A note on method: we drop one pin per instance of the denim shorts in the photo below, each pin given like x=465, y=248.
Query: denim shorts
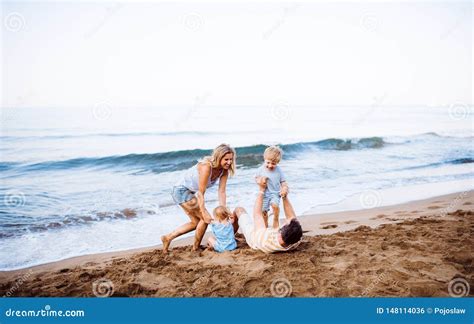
x=270, y=199
x=181, y=194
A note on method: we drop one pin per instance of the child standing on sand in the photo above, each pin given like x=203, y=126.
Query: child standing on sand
x=271, y=174
x=222, y=227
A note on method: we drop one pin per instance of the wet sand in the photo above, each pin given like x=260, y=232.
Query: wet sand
x=412, y=249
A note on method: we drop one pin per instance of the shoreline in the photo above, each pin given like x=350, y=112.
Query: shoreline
x=332, y=222
x=410, y=249
x=137, y=233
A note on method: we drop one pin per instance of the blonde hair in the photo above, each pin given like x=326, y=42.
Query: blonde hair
x=273, y=153
x=222, y=213
x=217, y=155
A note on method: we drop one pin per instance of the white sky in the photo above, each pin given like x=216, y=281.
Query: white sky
x=163, y=54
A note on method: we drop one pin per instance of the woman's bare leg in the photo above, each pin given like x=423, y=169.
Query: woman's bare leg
x=190, y=210
x=200, y=231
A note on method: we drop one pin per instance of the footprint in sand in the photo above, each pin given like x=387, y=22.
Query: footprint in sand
x=350, y=222
x=434, y=207
x=467, y=203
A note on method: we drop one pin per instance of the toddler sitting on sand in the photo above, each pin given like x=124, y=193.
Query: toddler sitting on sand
x=223, y=238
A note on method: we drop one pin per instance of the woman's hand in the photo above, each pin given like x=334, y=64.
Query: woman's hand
x=206, y=217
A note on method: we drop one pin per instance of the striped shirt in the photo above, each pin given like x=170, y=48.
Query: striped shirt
x=266, y=240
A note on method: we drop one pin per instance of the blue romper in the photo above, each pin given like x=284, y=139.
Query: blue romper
x=225, y=238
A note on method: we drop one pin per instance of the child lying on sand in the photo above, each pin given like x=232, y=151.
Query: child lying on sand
x=223, y=238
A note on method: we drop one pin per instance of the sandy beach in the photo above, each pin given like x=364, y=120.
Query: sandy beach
x=410, y=249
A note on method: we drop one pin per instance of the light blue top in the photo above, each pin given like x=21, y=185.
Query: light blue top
x=190, y=179
x=275, y=178
x=225, y=237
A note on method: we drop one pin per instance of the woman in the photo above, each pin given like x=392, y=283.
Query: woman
x=189, y=192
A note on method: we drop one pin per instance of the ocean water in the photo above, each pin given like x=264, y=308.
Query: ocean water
x=88, y=180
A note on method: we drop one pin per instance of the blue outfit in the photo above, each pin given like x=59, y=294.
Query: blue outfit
x=225, y=238
x=272, y=192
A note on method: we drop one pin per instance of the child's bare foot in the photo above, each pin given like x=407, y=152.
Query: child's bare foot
x=166, y=243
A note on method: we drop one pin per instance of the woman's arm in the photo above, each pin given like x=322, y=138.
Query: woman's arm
x=222, y=187
x=204, y=171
